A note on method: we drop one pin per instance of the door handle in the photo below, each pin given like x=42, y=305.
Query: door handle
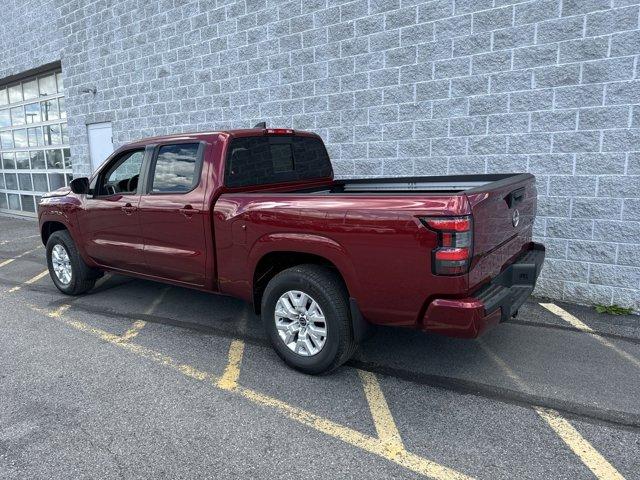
x=128, y=209
x=188, y=211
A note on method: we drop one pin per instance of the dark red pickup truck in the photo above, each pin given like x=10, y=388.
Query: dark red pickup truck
x=256, y=214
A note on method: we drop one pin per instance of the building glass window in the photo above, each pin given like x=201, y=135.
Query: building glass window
x=34, y=145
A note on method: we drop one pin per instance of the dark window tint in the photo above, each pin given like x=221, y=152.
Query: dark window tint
x=176, y=168
x=263, y=160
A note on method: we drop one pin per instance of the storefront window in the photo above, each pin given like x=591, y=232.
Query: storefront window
x=34, y=146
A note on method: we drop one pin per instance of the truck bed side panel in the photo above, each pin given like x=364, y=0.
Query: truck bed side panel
x=377, y=242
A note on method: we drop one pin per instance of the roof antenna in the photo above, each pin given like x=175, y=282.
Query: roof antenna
x=261, y=125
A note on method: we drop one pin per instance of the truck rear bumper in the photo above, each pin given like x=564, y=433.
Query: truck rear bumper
x=492, y=304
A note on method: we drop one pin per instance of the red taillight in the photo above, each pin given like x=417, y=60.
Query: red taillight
x=279, y=131
x=452, y=254
x=455, y=237
x=455, y=224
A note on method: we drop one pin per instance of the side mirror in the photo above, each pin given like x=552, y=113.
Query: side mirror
x=80, y=185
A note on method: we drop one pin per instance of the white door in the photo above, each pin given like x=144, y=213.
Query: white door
x=100, y=143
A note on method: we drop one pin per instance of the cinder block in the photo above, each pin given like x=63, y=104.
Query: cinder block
x=579, y=96
x=610, y=70
x=465, y=86
x=557, y=76
x=449, y=146
x=488, y=104
x=492, y=19
x=536, y=11
x=553, y=121
x=533, y=100
x=603, y=118
x=462, y=127
x=530, y=143
x=576, y=142
x=535, y=56
x=509, y=123
x=514, y=37
x=434, y=10
x=491, y=62
x=584, y=49
x=609, y=21
x=511, y=81
x=488, y=145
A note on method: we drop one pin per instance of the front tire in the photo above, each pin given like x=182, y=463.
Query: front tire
x=67, y=269
x=305, y=312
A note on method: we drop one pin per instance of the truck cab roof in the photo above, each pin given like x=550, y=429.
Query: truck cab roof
x=214, y=135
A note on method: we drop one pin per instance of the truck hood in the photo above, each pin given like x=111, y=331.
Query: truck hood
x=61, y=192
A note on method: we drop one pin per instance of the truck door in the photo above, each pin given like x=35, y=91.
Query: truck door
x=172, y=213
x=110, y=219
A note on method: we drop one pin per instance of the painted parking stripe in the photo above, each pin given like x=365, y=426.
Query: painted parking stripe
x=348, y=435
x=10, y=260
x=579, y=445
x=229, y=379
x=600, y=467
x=31, y=281
x=578, y=324
x=383, y=420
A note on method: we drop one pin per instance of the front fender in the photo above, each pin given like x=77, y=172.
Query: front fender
x=312, y=244
x=64, y=212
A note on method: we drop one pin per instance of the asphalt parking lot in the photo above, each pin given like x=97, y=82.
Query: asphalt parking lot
x=137, y=379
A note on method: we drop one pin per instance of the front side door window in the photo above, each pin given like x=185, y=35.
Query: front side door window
x=121, y=177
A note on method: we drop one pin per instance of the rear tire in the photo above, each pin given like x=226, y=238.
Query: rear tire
x=70, y=274
x=326, y=300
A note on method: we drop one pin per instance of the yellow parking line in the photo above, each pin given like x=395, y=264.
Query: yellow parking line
x=229, y=379
x=352, y=437
x=31, y=281
x=577, y=323
x=10, y=260
x=594, y=461
x=600, y=467
x=373, y=445
x=138, y=325
x=385, y=424
x=133, y=331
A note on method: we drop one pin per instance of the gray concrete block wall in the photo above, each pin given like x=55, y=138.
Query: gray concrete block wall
x=397, y=87
x=29, y=37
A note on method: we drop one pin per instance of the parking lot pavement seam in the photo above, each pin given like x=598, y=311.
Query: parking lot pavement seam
x=577, y=323
x=382, y=418
x=579, y=445
x=31, y=281
x=348, y=435
x=13, y=259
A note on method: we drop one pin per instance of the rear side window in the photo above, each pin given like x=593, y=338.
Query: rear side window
x=263, y=160
x=176, y=168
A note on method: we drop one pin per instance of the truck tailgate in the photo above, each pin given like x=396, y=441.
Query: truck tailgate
x=503, y=215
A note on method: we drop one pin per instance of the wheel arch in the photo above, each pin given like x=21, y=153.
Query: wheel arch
x=49, y=227
x=275, y=253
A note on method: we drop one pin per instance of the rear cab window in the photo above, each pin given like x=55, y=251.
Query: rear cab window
x=176, y=168
x=262, y=160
